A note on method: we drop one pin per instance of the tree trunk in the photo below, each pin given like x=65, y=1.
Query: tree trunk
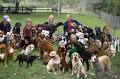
x=17, y=6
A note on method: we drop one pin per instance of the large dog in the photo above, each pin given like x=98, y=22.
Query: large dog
x=45, y=47
x=77, y=65
x=5, y=44
x=85, y=55
x=49, y=27
x=101, y=64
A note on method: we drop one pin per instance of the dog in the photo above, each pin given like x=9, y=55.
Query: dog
x=112, y=51
x=33, y=35
x=6, y=52
x=45, y=33
x=44, y=46
x=26, y=58
x=54, y=62
x=62, y=53
x=101, y=64
x=46, y=57
x=81, y=38
x=28, y=50
x=77, y=65
x=62, y=41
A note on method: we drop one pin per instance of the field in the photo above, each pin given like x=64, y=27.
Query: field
x=38, y=70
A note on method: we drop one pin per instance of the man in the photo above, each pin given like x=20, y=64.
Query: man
x=5, y=25
x=70, y=24
x=75, y=46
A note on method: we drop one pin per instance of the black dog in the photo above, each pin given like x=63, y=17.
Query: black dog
x=85, y=55
x=26, y=58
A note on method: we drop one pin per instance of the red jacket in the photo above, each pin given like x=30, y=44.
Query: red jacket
x=26, y=31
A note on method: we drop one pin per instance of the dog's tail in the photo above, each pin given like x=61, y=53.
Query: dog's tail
x=16, y=59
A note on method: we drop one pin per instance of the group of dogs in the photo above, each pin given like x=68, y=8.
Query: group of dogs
x=60, y=60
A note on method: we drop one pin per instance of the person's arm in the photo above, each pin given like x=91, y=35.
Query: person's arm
x=78, y=24
x=9, y=27
x=13, y=30
x=24, y=32
x=65, y=27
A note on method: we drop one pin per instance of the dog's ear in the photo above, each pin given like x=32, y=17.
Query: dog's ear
x=97, y=56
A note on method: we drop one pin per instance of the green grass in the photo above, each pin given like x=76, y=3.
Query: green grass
x=38, y=70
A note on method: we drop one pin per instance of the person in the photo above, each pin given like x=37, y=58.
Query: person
x=74, y=46
x=27, y=30
x=106, y=30
x=70, y=24
x=50, y=20
x=5, y=25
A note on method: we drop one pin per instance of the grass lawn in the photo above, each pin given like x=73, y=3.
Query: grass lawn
x=38, y=70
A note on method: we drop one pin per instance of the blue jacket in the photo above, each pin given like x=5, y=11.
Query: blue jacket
x=5, y=29
x=66, y=25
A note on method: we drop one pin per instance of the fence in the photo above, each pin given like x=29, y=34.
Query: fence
x=113, y=21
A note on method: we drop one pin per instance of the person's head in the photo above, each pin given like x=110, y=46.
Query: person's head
x=28, y=22
x=6, y=19
x=51, y=19
x=106, y=30
x=18, y=24
x=73, y=38
x=68, y=17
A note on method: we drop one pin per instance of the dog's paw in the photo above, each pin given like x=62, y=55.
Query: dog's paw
x=85, y=76
x=55, y=73
x=6, y=66
x=72, y=74
x=78, y=76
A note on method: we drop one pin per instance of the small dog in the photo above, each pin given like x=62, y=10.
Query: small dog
x=77, y=65
x=26, y=58
x=63, y=41
x=46, y=33
x=54, y=62
x=101, y=64
x=29, y=49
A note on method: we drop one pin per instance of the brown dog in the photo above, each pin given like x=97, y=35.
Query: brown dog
x=101, y=64
x=44, y=47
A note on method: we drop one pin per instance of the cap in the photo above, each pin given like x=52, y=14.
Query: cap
x=6, y=17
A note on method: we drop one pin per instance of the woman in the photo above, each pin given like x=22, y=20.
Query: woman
x=5, y=25
x=26, y=31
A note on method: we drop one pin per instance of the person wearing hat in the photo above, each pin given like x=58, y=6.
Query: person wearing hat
x=69, y=25
x=5, y=25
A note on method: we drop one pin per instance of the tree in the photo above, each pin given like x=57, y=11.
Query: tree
x=109, y=6
x=17, y=6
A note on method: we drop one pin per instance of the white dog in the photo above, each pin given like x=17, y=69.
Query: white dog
x=77, y=66
x=46, y=33
x=54, y=62
x=62, y=41
x=81, y=38
x=29, y=49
